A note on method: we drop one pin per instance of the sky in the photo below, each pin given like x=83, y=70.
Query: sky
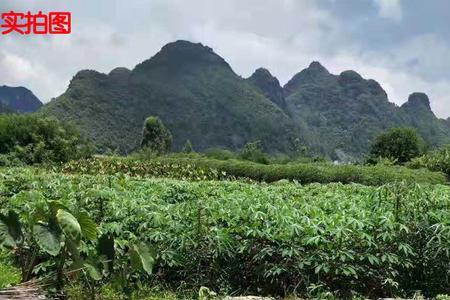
x=403, y=44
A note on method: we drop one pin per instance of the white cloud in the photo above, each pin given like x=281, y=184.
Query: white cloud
x=281, y=35
x=390, y=9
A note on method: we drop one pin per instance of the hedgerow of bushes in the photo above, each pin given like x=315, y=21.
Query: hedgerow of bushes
x=200, y=168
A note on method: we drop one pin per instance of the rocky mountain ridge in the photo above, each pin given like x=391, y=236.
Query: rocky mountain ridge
x=199, y=97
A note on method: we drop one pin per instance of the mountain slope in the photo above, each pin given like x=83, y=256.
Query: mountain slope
x=417, y=113
x=344, y=113
x=269, y=86
x=4, y=109
x=19, y=99
x=199, y=97
x=193, y=90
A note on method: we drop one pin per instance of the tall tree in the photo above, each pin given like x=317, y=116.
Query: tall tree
x=399, y=144
x=156, y=136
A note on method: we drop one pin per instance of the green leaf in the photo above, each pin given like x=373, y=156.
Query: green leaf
x=47, y=239
x=72, y=247
x=69, y=225
x=54, y=206
x=10, y=230
x=93, y=272
x=88, y=226
x=6, y=240
x=142, y=258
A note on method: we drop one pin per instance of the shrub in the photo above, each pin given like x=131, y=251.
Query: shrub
x=253, y=152
x=398, y=144
x=220, y=154
x=34, y=139
x=438, y=160
x=156, y=136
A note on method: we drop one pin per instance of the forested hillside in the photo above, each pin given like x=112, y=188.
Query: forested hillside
x=194, y=92
x=199, y=98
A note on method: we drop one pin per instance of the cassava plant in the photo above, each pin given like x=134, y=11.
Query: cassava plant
x=51, y=234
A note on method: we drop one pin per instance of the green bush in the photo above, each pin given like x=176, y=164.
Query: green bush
x=33, y=139
x=254, y=152
x=10, y=160
x=438, y=160
x=398, y=144
x=220, y=154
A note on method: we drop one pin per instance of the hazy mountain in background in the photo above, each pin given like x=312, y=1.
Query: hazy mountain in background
x=18, y=99
x=199, y=97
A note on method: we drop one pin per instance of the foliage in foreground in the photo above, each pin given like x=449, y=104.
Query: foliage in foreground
x=259, y=238
x=33, y=139
x=9, y=274
x=200, y=168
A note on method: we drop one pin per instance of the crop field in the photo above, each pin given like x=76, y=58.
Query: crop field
x=236, y=237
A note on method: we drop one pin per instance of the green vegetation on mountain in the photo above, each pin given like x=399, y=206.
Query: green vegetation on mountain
x=190, y=88
x=344, y=113
x=18, y=99
x=417, y=113
x=269, y=86
x=199, y=98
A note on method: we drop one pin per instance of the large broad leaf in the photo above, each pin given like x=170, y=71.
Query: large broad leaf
x=6, y=240
x=10, y=230
x=69, y=225
x=88, y=226
x=49, y=240
x=142, y=257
